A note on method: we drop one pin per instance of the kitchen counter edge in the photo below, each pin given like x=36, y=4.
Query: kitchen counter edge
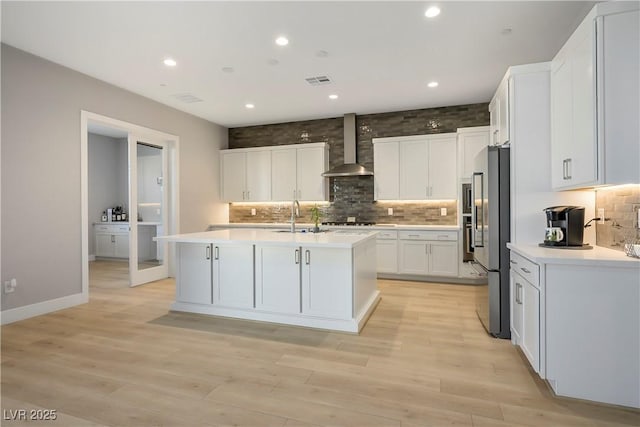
x=598, y=256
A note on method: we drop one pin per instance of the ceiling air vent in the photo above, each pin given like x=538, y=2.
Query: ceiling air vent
x=318, y=80
x=187, y=98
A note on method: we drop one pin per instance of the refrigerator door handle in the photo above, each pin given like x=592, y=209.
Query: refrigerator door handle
x=477, y=218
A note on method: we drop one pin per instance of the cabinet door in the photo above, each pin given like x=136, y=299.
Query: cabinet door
x=283, y=174
x=515, y=283
x=494, y=120
x=530, y=304
x=193, y=278
x=414, y=175
x=561, y=121
x=443, y=175
x=311, y=163
x=258, y=174
x=104, y=246
x=386, y=165
x=471, y=144
x=278, y=278
x=387, y=258
x=121, y=245
x=413, y=257
x=233, y=176
x=233, y=275
x=443, y=258
x=327, y=282
x=503, y=113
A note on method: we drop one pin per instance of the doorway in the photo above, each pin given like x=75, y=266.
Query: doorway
x=150, y=175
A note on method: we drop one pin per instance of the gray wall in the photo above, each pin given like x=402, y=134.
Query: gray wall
x=41, y=103
x=107, y=171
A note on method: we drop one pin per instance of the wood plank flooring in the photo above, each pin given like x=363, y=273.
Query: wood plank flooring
x=423, y=359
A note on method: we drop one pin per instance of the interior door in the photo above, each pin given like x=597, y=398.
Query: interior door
x=148, y=164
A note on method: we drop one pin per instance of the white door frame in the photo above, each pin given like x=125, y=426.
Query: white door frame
x=173, y=207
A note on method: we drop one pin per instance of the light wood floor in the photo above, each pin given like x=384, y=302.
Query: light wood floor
x=422, y=360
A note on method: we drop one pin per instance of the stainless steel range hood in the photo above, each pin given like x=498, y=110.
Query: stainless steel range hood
x=350, y=167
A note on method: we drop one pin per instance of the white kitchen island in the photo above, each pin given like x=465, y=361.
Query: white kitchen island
x=320, y=280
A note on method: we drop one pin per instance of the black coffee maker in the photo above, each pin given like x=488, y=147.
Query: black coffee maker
x=571, y=220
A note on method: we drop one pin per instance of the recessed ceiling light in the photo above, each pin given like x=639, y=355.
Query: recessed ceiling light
x=249, y=106
x=272, y=61
x=227, y=69
x=322, y=54
x=169, y=62
x=506, y=31
x=333, y=96
x=432, y=84
x=432, y=12
x=282, y=41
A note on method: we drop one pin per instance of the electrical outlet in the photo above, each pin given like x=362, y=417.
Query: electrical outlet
x=10, y=286
x=253, y=212
x=351, y=219
x=601, y=215
x=443, y=211
x=389, y=211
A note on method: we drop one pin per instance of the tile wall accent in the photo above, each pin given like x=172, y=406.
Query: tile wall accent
x=619, y=205
x=353, y=196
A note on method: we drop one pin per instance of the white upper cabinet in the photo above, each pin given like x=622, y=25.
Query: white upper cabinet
x=277, y=173
x=500, y=115
x=595, y=97
x=246, y=175
x=386, y=162
x=421, y=167
x=470, y=142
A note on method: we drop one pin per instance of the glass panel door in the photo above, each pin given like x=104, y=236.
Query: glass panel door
x=148, y=217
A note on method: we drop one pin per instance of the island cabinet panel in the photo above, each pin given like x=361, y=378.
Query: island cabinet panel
x=233, y=275
x=193, y=276
x=327, y=282
x=278, y=279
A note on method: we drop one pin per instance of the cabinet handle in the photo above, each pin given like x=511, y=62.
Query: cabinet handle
x=513, y=262
x=525, y=270
x=307, y=257
x=243, y=198
x=248, y=195
x=208, y=252
x=297, y=256
x=568, y=168
x=113, y=238
x=518, y=293
x=299, y=194
x=216, y=253
x=414, y=235
x=495, y=137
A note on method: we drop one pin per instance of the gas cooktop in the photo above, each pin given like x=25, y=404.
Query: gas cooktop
x=350, y=223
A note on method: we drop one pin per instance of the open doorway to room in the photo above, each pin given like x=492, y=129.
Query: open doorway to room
x=129, y=196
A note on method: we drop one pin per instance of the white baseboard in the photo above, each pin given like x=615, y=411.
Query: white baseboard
x=37, y=309
x=92, y=258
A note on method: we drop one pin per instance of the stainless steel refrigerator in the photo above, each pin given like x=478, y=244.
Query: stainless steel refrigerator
x=491, y=228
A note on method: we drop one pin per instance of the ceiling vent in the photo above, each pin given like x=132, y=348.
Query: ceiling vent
x=319, y=80
x=187, y=98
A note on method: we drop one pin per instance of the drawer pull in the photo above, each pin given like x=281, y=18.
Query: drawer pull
x=513, y=262
x=525, y=270
x=414, y=235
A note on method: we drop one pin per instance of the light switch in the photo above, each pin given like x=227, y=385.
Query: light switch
x=443, y=211
x=351, y=219
x=389, y=211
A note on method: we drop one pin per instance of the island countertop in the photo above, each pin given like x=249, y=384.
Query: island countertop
x=333, y=238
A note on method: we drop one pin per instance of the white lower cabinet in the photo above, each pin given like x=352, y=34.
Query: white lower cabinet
x=193, y=276
x=233, y=275
x=525, y=308
x=326, y=279
x=278, y=279
x=428, y=253
x=112, y=240
x=387, y=251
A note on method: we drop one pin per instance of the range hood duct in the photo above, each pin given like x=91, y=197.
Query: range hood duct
x=350, y=167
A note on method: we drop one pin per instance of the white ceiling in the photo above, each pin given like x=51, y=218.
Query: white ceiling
x=381, y=55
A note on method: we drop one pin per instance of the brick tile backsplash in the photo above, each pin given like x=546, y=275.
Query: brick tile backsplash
x=353, y=196
x=619, y=205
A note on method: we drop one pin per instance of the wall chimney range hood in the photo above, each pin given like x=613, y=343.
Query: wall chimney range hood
x=350, y=167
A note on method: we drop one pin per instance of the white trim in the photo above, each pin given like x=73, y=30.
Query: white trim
x=424, y=137
x=37, y=309
x=92, y=258
x=140, y=131
x=276, y=147
x=472, y=129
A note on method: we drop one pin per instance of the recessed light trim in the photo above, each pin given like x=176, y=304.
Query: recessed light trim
x=432, y=12
x=333, y=96
x=282, y=41
x=170, y=62
x=432, y=84
x=249, y=106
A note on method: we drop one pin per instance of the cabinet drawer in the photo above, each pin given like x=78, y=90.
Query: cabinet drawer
x=527, y=269
x=387, y=235
x=429, y=235
x=108, y=229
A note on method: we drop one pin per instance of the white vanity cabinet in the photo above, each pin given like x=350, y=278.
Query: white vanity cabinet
x=419, y=167
x=246, y=175
x=112, y=240
x=432, y=253
x=595, y=97
x=525, y=307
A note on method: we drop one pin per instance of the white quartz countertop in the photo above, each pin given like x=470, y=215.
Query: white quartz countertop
x=334, y=238
x=598, y=256
x=338, y=227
